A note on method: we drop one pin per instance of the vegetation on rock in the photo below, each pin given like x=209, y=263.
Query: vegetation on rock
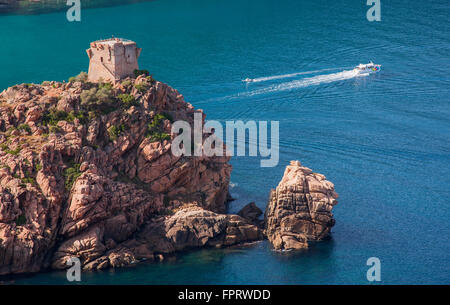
x=98, y=99
x=141, y=72
x=115, y=131
x=21, y=220
x=155, y=130
x=65, y=173
x=127, y=100
x=82, y=77
x=71, y=174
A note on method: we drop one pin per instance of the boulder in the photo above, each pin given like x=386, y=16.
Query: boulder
x=195, y=227
x=189, y=228
x=299, y=209
x=250, y=212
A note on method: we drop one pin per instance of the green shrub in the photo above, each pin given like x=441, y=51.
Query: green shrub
x=37, y=166
x=13, y=152
x=53, y=116
x=126, y=83
x=99, y=99
x=141, y=72
x=151, y=79
x=141, y=87
x=24, y=127
x=88, y=97
x=92, y=115
x=128, y=100
x=115, y=131
x=28, y=180
x=155, y=129
x=159, y=136
x=54, y=129
x=21, y=220
x=82, y=77
x=71, y=174
x=76, y=115
x=106, y=85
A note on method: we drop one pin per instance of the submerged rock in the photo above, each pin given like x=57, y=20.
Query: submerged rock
x=299, y=209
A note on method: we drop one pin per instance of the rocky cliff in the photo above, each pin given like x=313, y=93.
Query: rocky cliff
x=86, y=170
x=299, y=209
x=45, y=6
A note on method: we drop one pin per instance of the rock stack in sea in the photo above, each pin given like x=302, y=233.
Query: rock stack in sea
x=299, y=209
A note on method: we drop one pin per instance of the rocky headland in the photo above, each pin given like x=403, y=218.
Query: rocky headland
x=86, y=171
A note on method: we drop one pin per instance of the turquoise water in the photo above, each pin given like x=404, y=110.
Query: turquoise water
x=382, y=139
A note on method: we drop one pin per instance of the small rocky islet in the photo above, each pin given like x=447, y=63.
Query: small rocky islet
x=86, y=171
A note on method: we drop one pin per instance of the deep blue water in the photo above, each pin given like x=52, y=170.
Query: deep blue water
x=382, y=139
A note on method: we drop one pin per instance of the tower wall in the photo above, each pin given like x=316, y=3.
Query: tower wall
x=126, y=59
x=112, y=59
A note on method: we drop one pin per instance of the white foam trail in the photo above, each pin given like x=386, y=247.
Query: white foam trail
x=267, y=78
x=305, y=82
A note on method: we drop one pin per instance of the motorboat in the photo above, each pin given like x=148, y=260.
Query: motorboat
x=367, y=68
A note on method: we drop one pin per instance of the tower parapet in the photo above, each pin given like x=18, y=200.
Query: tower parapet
x=112, y=59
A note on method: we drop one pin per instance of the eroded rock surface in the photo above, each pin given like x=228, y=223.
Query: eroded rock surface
x=84, y=167
x=251, y=212
x=299, y=209
x=188, y=228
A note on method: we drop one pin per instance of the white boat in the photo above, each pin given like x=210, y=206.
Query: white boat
x=248, y=80
x=367, y=68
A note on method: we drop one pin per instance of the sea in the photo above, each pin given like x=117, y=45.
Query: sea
x=383, y=139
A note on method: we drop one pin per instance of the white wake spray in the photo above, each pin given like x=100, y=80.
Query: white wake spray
x=304, y=82
x=274, y=77
x=294, y=84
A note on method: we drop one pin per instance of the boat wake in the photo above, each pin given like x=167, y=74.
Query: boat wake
x=295, y=84
x=274, y=77
x=305, y=82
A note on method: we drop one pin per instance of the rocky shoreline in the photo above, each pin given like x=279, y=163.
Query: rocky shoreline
x=86, y=171
x=46, y=6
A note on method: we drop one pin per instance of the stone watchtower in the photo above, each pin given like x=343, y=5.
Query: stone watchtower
x=112, y=59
